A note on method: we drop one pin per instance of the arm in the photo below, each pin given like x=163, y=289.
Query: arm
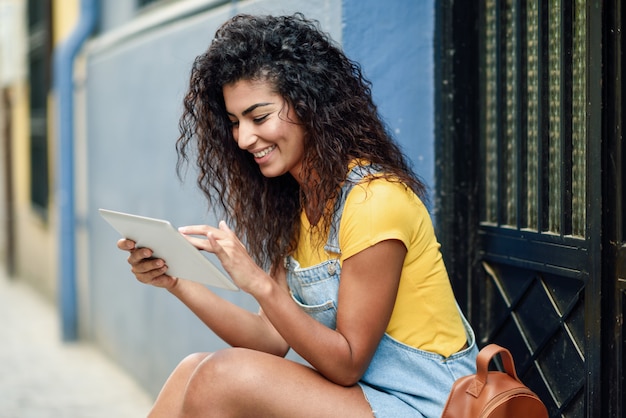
x=367, y=293
x=368, y=287
x=235, y=325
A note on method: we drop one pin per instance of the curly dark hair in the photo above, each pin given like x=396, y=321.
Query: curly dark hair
x=333, y=102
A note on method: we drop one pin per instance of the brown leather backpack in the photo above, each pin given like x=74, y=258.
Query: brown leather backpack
x=493, y=394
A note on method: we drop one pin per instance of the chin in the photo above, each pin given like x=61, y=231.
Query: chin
x=269, y=173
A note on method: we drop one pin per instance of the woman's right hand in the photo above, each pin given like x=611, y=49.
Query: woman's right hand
x=147, y=269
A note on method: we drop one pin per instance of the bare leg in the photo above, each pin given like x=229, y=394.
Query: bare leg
x=242, y=383
x=170, y=398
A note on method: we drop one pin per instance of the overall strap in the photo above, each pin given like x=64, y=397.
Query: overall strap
x=354, y=177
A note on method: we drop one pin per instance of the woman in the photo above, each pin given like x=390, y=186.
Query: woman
x=340, y=251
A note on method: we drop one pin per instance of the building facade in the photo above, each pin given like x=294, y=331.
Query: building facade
x=510, y=111
x=29, y=31
x=127, y=83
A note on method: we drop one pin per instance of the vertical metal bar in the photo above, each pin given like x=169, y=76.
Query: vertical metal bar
x=500, y=99
x=620, y=115
x=522, y=135
x=579, y=115
x=593, y=305
x=544, y=119
x=566, y=118
x=613, y=243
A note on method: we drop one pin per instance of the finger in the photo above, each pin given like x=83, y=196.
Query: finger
x=149, y=265
x=199, y=243
x=216, y=248
x=224, y=227
x=125, y=244
x=195, y=229
x=227, y=234
x=138, y=255
x=152, y=276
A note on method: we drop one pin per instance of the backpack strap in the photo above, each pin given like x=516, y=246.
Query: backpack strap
x=482, y=367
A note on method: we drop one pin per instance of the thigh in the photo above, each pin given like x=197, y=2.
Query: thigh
x=240, y=382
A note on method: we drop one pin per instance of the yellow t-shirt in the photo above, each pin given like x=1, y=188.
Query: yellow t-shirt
x=425, y=314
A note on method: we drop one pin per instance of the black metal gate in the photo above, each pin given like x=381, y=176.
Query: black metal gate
x=530, y=191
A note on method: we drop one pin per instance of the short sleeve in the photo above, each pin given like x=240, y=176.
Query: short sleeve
x=375, y=211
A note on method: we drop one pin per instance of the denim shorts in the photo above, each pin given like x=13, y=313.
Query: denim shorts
x=401, y=381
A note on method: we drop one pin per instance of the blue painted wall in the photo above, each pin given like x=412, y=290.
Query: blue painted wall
x=135, y=81
x=136, y=77
x=393, y=41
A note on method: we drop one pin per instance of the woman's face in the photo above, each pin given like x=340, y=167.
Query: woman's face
x=265, y=126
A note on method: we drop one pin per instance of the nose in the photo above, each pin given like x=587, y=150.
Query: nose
x=245, y=136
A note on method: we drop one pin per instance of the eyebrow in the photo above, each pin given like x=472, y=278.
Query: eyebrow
x=251, y=108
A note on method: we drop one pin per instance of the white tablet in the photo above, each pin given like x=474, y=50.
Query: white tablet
x=182, y=258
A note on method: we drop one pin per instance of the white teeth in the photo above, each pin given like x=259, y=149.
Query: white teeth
x=263, y=153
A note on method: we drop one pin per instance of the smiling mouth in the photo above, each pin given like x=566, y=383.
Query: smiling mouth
x=263, y=153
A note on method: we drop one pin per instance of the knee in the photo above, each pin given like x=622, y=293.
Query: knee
x=221, y=368
x=195, y=359
x=190, y=363
x=218, y=380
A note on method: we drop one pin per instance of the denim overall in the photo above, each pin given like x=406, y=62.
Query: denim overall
x=401, y=381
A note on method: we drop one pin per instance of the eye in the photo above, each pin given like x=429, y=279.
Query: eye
x=260, y=118
x=233, y=123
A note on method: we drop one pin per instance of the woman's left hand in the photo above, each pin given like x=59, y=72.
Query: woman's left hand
x=230, y=251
